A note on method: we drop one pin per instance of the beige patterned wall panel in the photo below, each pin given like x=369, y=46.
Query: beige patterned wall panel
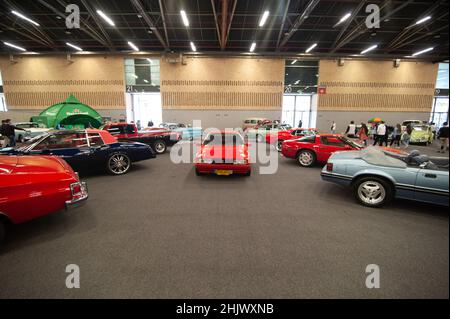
x=38, y=82
x=223, y=83
x=377, y=86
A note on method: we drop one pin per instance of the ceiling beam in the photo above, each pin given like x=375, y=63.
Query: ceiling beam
x=299, y=21
x=361, y=28
x=216, y=21
x=223, y=17
x=163, y=17
x=400, y=37
x=401, y=45
x=99, y=24
x=24, y=34
x=140, y=8
x=349, y=21
x=229, y=24
x=286, y=10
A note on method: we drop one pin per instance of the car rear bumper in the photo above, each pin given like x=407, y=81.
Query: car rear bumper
x=335, y=178
x=79, y=201
x=212, y=168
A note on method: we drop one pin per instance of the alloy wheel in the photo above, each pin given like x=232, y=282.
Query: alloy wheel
x=119, y=164
x=372, y=193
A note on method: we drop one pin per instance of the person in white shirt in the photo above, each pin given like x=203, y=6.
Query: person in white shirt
x=381, y=134
x=333, y=128
x=351, y=130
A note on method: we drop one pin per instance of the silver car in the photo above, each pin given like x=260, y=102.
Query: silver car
x=378, y=176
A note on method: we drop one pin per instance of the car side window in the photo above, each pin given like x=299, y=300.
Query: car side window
x=332, y=141
x=129, y=129
x=60, y=141
x=95, y=139
x=115, y=130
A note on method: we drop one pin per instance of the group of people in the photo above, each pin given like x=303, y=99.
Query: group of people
x=8, y=133
x=380, y=133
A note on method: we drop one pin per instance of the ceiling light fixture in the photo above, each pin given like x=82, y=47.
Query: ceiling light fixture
x=311, y=48
x=423, y=51
x=106, y=18
x=252, y=47
x=133, y=46
x=74, y=46
x=293, y=62
x=423, y=20
x=344, y=18
x=373, y=47
x=193, y=47
x=149, y=60
x=14, y=46
x=264, y=18
x=20, y=15
x=184, y=18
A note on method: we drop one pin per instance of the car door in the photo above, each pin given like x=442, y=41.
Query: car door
x=432, y=185
x=71, y=146
x=328, y=145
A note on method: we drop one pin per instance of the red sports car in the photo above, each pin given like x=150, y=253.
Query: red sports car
x=34, y=186
x=278, y=138
x=223, y=153
x=309, y=150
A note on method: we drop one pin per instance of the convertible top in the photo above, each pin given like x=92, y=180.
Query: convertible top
x=376, y=156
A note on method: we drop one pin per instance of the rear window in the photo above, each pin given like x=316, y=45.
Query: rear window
x=308, y=139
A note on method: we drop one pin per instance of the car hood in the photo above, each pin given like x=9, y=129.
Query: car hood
x=32, y=164
x=224, y=152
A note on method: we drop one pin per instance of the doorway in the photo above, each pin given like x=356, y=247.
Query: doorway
x=146, y=107
x=296, y=108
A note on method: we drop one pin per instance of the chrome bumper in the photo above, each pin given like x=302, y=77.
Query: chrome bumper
x=79, y=201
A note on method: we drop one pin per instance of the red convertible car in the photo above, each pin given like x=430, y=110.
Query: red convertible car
x=278, y=138
x=309, y=150
x=35, y=186
x=223, y=153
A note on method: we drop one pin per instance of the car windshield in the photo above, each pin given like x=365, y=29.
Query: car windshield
x=224, y=139
x=27, y=125
x=30, y=142
x=420, y=128
x=350, y=142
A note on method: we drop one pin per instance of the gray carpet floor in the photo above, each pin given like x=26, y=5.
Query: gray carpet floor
x=162, y=232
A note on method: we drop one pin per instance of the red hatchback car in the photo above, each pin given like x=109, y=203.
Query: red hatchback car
x=309, y=150
x=223, y=153
x=35, y=186
x=278, y=138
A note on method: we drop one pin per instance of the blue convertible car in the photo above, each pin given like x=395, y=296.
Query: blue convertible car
x=86, y=150
x=378, y=176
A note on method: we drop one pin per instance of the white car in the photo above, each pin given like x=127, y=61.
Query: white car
x=33, y=130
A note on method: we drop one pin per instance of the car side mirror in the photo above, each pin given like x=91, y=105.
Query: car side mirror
x=423, y=165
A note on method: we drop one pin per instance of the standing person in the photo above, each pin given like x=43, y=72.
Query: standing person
x=433, y=129
x=406, y=136
x=9, y=131
x=333, y=128
x=5, y=141
x=351, y=130
x=443, y=137
x=381, y=134
x=300, y=124
x=396, y=135
x=363, y=133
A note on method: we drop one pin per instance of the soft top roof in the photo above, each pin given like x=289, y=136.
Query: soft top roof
x=376, y=156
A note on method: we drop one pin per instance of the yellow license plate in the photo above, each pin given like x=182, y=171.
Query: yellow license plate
x=223, y=172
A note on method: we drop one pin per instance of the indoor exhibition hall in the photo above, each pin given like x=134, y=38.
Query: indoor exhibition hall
x=224, y=149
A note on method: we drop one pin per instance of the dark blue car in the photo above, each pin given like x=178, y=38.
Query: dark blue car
x=86, y=150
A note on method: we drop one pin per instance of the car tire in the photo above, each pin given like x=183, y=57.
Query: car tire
x=249, y=173
x=2, y=231
x=259, y=138
x=279, y=145
x=306, y=158
x=198, y=173
x=118, y=164
x=372, y=191
x=159, y=147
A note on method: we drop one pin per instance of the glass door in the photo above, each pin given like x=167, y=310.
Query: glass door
x=296, y=110
x=147, y=108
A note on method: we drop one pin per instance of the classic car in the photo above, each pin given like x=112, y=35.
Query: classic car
x=422, y=134
x=157, y=138
x=378, y=176
x=223, y=153
x=260, y=132
x=86, y=150
x=34, y=186
x=32, y=130
x=309, y=150
x=187, y=132
x=253, y=122
x=412, y=123
x=279, y=137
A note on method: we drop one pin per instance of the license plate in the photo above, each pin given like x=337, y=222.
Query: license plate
x=223, y=172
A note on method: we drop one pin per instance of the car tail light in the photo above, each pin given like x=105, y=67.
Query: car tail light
x=78, y=190
x=329, y=167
